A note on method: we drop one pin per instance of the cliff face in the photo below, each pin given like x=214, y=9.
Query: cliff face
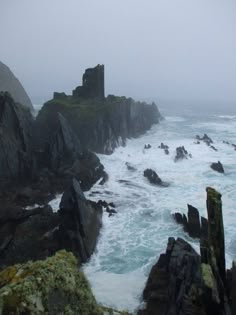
x=101, y=125
x=16, y=159
x=9, y=83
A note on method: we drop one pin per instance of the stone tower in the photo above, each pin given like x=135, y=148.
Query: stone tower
x=93, y=83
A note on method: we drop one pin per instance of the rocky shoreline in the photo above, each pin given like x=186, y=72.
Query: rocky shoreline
x=40, y=158
x=52, y=154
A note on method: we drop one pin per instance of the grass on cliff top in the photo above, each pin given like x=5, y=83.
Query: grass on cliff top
x=85, y=109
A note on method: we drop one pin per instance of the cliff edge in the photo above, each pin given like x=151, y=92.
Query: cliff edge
x=9, y=83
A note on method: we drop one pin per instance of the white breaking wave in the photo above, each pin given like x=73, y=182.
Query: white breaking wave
x=132, y=240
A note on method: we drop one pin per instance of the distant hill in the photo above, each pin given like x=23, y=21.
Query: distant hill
x=9, y=83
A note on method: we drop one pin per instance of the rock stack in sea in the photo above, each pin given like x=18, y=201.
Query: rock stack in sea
x=184, y=282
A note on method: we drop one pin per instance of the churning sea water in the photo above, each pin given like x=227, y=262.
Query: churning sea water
x=132, y=240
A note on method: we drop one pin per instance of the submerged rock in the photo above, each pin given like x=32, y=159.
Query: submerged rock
x=218, y=167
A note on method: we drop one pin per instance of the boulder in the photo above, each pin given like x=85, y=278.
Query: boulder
x=9, y=83
x=218, y=167
x=154, y=178
x=147, y=146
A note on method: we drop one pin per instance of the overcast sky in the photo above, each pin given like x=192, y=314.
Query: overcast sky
x=183, y=50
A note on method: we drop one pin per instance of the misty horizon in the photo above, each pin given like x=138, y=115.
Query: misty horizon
x=182, y=53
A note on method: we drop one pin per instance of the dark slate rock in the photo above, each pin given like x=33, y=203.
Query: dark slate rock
x=16, y=157
x=218, y=167
x=80, y=222
x=154, y=178
x=163, y=146
x=147, y=146
x=181, y=153
x=193, y=222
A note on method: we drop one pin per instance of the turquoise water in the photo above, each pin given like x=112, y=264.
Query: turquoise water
x=132, y=240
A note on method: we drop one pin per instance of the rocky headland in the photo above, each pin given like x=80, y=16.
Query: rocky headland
x=41, y=158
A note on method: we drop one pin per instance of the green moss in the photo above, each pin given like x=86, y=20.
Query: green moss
x=53, y=286
x=207, y=276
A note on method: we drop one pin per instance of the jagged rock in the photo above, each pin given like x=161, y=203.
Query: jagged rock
x=166, y=151
x=147, y=146
x=218, y=167
x=16, y=157
x=216, y=229
x=93, y=83
x=163, y=146
x=64, y=146
x=22, y=234
x=154, y=178
x=172, y=284
x=205, y=139
x=193, y=222
x=181, y=153
x=9, y=83
x=184, y=283
x=37, y=233
x=80, y=222
x=204, y=228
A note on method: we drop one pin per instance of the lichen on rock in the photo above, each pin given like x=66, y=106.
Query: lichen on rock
x=52, y=286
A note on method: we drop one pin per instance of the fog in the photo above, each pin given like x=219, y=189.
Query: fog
x=180, y=51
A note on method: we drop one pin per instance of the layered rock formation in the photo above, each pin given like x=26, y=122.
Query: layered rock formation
x=9, y=83
x=16, y=156
x=39, y=233
x=183, y=282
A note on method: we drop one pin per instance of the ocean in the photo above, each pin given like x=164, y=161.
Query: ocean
x=131, y=241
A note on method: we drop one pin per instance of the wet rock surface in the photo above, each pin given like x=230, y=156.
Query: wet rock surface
x=183, y=282
x=154, y=178
x=218, y=167
x=181, y=154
